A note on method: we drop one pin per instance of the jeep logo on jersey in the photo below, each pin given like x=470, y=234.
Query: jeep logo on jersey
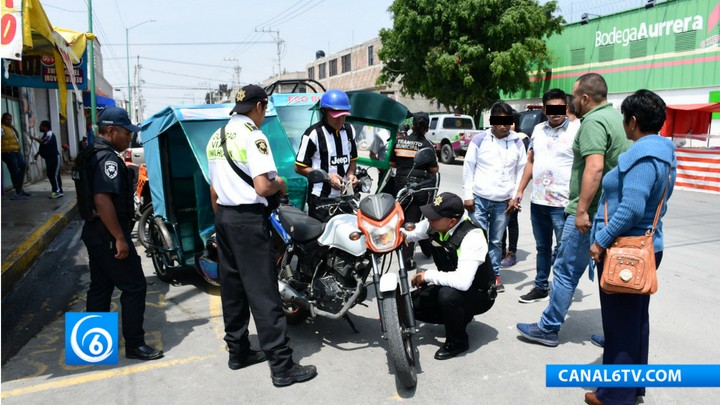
x=339, y=160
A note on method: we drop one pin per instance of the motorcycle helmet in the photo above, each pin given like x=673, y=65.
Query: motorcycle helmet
x=335, y=100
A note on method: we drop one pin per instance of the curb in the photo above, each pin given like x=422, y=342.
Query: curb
x=19, y=261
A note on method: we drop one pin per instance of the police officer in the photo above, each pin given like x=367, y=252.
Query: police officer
x=247, y=278
x=328, y=145
x=463, y=284
x=402, y=158
x=114, y=262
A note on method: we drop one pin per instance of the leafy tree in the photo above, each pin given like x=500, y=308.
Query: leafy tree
x=463, y=53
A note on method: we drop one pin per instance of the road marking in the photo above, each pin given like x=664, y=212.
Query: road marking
x=68, y=382
x=216, y=311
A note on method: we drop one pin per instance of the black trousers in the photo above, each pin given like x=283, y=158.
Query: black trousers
x=513, y=232
x=450, y=307
x=626, y=324
x=107, y=273
x=248, y=283
x=52, y=169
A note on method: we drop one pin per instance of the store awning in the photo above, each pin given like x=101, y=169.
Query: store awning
x=100, y=101
x=689, y=120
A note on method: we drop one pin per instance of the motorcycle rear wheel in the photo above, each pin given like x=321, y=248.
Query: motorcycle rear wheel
x=400, y=343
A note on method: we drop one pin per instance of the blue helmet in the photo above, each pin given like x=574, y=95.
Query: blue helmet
x=335, y=100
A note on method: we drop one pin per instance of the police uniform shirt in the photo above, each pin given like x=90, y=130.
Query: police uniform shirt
x=110, y=175
x=404, y=152
x=322, y=147
x=471, y=255
x=249, y=149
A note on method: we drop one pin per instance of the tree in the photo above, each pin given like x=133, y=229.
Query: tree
x=463, y=53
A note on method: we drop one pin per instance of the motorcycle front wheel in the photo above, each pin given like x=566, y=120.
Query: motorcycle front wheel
x=400, y=343
x=144, y=224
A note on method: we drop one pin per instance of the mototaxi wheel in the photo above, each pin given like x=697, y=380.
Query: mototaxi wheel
x=400, y=343
x=160, y=237
x=144, y=224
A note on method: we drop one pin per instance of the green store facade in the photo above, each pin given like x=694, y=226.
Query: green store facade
x=672, y=48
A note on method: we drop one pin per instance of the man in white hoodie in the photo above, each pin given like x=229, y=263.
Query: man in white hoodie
x=492, y=170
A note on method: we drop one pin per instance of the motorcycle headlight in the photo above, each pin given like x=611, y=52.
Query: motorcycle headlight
x=383, y=238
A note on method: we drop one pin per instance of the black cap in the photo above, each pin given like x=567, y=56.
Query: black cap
x=445, y=205
x=117, y=116
x=248, y=97
x=421, y=120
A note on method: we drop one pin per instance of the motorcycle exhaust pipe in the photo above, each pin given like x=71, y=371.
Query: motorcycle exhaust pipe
x=289, y=294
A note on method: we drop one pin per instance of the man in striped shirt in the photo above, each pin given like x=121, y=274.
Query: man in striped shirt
x=328, y=145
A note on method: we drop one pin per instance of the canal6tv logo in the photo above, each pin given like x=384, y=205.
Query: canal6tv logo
x=91, y=338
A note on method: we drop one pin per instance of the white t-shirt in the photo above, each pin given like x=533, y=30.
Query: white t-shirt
x=250, y=151
x=552, y=164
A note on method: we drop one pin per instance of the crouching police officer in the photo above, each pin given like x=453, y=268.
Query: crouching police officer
x=114, y=262
x=463, y=284
x=238, y=155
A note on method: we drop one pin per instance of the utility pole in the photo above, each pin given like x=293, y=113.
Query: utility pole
x=279, y=42
x=237, y=69
x=139, y=117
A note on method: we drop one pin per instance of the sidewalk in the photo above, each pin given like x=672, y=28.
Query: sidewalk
x=29, y=226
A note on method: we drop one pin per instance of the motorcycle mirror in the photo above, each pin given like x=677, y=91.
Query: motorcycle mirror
x=424, y=156
x=318, y=176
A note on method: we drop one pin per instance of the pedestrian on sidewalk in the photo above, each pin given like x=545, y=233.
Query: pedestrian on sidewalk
x=114, y=262
x=49, y=151
x=596, y=148
x=550, y=160
x=12, y=156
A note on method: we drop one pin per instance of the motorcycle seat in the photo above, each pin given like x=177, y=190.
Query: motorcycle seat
x=299, y=225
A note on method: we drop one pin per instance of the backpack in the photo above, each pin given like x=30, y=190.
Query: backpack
x=83, y=180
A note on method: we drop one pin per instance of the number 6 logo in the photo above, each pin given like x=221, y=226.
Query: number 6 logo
x=91, y=338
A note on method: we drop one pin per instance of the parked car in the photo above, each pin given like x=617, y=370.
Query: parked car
x=527, y=120
x=135, y=153
x=451, y=134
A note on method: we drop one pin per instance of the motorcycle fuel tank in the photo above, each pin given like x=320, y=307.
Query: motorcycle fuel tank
x=337, y=235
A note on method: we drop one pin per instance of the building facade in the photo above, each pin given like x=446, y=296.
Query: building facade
x=672, y=48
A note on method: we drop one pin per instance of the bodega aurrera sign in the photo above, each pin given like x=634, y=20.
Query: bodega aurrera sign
x=648, y=30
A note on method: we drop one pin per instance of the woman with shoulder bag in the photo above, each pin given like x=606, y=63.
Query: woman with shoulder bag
x=643, y=180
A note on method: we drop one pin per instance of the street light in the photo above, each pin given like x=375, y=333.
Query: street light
x=127, y=52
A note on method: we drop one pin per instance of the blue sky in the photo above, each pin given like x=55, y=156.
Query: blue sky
x=181, y=73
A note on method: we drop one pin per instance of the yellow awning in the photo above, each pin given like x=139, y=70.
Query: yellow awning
x=41, y=38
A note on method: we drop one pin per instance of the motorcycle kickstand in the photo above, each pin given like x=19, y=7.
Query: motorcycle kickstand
x=350, y=322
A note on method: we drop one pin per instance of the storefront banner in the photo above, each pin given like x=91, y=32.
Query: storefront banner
x=11, y=30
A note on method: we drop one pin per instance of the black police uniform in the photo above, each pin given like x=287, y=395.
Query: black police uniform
x=449, y=306
x=109, y=174
x=403, y=156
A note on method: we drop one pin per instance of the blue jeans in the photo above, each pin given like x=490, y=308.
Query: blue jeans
x=572, y=260
x=546, y=220
x=16, y=166
x=491, y=216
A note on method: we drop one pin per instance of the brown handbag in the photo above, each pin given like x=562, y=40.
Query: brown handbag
x=629, y=264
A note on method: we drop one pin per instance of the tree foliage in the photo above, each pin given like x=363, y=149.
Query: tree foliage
x=463, y=53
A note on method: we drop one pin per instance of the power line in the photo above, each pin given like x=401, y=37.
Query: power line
x=191, y=43
x=180, y=74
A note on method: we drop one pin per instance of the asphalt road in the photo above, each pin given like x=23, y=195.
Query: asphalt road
x=185, y=320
